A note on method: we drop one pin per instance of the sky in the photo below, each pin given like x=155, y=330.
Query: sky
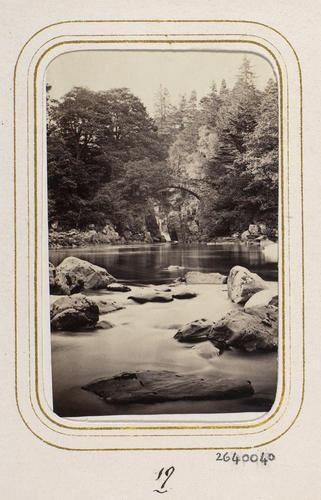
x=144, y=71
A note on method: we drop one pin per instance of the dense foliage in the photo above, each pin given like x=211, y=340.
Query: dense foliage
x=108, y=160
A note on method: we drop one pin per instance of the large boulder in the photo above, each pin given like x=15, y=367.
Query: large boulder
x=242, y=284
x=259, y=299
x=151, y=296
x=194, y=277
x=158, y=386
x=74, y=275
x=255, y=331
x=196, y=331
x=74, y=312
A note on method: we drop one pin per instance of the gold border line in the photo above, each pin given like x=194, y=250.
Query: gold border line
x=262, y=423
x=118, y=427
x=36, y=227
x=15, y=225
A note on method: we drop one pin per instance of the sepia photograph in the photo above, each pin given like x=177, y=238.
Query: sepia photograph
x=163, y=189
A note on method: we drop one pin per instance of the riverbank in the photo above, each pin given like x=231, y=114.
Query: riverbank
x=78, y=239
x=74, y=238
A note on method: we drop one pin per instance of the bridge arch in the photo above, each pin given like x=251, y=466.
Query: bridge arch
x=181, y=188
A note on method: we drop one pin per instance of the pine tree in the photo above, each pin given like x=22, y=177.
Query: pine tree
x=166, y=116
x=224, y=91
x=262, y=157
x=210, y=105
x=226, y=170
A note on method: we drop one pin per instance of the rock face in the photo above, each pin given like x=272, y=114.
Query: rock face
x=255, y=331
x=73, y=313
x=196, y=331
x=206, y=278
x=259, y=299
x=75, y=238
x=110, y=232
x=151, y=296
x=242, y=284
x=157, y=386
x=74, y=275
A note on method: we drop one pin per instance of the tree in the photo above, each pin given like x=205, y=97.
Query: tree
x=95, y=136
x=210, y=105
x=230, y=207
x=109, y=160
x=166, y=116
x=262, y=157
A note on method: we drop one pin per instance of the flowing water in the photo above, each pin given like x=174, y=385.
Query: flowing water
x=142, y=334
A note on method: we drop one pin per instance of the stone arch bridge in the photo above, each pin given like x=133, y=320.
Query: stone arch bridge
x=195, y=187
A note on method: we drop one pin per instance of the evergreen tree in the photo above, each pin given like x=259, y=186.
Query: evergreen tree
x=107, y=158
x=166, y=116
x=262, y=157
x=210, y=105
x=226, y=170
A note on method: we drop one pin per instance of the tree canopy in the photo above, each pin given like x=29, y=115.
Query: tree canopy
x=108, y=158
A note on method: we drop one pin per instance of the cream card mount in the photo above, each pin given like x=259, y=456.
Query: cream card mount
x=33, y=352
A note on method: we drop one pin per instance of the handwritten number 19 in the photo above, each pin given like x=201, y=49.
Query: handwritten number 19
x=167, y=474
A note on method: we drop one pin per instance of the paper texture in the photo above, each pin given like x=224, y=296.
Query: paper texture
x=31, y=468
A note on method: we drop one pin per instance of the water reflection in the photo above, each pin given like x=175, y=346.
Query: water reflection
x=148, y=264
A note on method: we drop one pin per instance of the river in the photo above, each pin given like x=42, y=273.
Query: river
x=142, y=334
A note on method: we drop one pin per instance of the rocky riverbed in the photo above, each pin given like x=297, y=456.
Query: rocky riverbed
x=222, y=332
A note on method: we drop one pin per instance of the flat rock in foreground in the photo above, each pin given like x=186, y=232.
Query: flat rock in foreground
x=151, y=296
x=157, y=386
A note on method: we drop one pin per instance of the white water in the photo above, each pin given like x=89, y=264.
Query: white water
x=142, y=338
x=162, y=226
